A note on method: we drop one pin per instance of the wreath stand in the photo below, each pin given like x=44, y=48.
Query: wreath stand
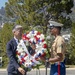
x=46, y=67
x=47, y=64
x=38, y=72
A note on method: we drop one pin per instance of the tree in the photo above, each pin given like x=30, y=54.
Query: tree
x=72, y=46
x=5, y=36
x=34, y=13
x=31, y=13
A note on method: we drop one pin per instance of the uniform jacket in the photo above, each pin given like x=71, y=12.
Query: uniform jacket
x=58, y=47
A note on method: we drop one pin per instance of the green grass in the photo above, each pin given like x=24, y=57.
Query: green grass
x=43, y=66
x=67, y=66
x=70, y=66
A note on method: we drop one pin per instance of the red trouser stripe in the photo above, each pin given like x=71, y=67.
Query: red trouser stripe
x=58, y=68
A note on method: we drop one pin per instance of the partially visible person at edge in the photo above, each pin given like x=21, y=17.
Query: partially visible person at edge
x=13, y=66
x=57, y=50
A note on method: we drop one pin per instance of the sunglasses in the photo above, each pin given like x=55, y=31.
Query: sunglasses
x=51, y=27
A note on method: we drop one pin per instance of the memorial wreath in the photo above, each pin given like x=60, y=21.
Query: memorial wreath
x=24, y=57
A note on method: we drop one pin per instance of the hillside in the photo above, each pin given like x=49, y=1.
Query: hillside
x=2, y=11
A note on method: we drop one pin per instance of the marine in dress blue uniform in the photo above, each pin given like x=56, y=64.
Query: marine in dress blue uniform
x=57, y=50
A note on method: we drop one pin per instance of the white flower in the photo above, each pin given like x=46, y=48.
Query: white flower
x=42, y=36
x=22, y=53
x=36, y=62
x=32, y=39
x=44, y=42
x=28, y=35
x=38, y=36
x=20, y=50
x=35, y=33
x=19, y=58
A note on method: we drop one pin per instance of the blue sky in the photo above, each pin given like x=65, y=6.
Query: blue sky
x=2, y=3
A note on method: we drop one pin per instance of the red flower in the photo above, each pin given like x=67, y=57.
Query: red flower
x=25, y=55
x=20, y=62
x=38, y=33
x=36, y=38
x=36, y=58
x=24, y=37
x=31, y=60
x=30, y=41
x=45, y=46
x=23, y=60
x=43, y=40
x=17, y=53
x=44, y=54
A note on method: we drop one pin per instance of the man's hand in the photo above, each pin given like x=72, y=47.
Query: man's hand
x=47, y=60
x=21, y=70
